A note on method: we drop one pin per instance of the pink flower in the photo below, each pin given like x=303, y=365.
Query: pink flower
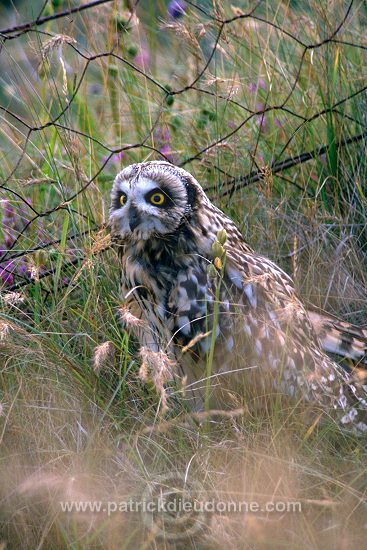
x=176, y=8
x=6, y=273
x=162, y=140
x=259, y=84
x=116, y=158
x=142, y=59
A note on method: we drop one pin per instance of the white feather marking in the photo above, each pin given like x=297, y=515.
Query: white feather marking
x=248, y=330
x=230, y=343
x=250, y=294
x=273, y=316
x=281, y=339
x=362, y=426
x=258, y=347
x=184, y=325
x=235, y=277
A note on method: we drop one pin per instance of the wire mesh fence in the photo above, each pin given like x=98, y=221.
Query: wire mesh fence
x=241, y=94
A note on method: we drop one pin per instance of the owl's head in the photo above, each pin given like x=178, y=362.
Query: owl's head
x=152, y=199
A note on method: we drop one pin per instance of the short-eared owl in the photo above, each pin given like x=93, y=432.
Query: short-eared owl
x=225, y=314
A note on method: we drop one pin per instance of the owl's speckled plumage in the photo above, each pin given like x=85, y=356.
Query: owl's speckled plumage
x=261, y=331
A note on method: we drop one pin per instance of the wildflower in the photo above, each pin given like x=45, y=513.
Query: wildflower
x=142, y=58
x=162, y=140
x=95, y=89
x=217, y=249
x=176, y=8
x=261, y=119
x=116, y=158
x=212, y=272
x=218, y=263
x=277, y=122
x=8, y=237
x=23, y=269
x=11, y=225
x=6, y=273
x=253, y=87
x=222, y=236
x=8, y=211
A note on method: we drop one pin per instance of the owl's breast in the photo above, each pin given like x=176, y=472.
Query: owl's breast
x=199, y=310
x=150, y=278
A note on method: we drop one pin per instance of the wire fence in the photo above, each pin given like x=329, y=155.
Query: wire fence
x=222, y=35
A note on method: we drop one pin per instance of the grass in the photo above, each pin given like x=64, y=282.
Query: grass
x=77, y=421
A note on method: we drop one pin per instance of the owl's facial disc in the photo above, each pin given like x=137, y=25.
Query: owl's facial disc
x=146, y=206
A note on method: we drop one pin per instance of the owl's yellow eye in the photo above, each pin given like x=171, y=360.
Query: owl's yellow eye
x=157, y=199
x=123, y=199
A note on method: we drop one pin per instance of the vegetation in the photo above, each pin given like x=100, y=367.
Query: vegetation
x=265, y=103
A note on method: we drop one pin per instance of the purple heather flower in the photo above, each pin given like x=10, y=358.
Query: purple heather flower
x=142, y=58
x=115, y=158
x=176, y=8
x=8, y=238
x=23, y=269
x=166, y=135
x=40, y=233
x=262, y=122
x=252, y=87
x=277, y=122
x=118, y=157
x=6, y=273
x=162, y=140
x=11, y=219
x=165, y=150
x=95, y=89
x=259, y=84
x=261, y=118
x=9, y=214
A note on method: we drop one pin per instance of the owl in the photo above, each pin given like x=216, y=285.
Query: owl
x=227, y=317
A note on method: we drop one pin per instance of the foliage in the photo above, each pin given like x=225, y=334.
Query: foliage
x=265, y=104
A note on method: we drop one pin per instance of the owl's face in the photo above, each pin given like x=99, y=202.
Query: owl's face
x=151, y=199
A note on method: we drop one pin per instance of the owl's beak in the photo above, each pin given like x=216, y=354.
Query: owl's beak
x=134, y=218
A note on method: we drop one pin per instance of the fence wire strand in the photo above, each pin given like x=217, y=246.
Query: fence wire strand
x=232, y=184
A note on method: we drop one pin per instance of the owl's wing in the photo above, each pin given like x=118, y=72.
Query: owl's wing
x=343, y=339
x=282, y=337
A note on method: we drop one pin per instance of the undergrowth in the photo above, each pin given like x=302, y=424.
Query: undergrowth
x=228, y=91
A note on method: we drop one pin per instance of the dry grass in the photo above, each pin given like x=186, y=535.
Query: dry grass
x=77, y=423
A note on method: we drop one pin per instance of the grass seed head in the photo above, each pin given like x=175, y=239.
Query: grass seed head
x=103, y=356
x=157, y=367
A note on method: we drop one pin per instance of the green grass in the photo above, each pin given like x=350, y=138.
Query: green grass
x=79, y=424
